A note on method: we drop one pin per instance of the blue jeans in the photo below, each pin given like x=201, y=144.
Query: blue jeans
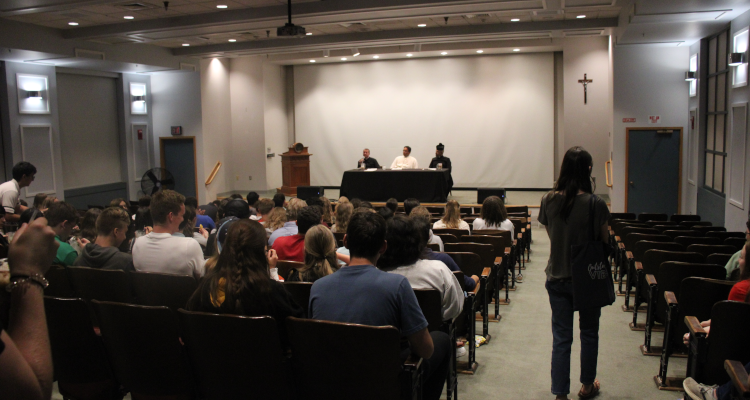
x=561, y=301
x=724, y=392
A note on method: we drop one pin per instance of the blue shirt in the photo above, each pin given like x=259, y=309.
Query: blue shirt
x=363, y=294
x=448, y=260
x=207, y=222
x=289, y=229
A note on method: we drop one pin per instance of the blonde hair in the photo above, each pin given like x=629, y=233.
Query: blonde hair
x=293, y=208
x=452, y=218
x=327, y=214
x=276, y=219
x=343, y=199
x=320, y=254
x=343, y=215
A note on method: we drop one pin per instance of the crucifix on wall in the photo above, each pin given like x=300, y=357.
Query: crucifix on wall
x=585, y=82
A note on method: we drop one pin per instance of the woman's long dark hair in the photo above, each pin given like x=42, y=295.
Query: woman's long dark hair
x=575, y=176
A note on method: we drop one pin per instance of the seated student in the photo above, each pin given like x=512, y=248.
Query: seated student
x=292, y=247
x=159, y=251
x=320, y=256
x=264, y=209
x=119, y=202
x=241, y=284
x=62, y=217
x=235, y=209
x=87, y=225
x=252, y=200
x=276, y=219
x=143, y=222
x=403, y=257
x=210, y=210
x=327, y=211
x=356, y=203
x=362, y=294
x=279, y=200
x=48, y=202
x=111, y=227
x=392, y=204
x=494, y=216
x=386, y=213
x=422, y=224
x=733, y=263
x=290, y=227
x=452, y=218
x=343, y=199
x=316, y=201
x=422, y=212
x=409, y=205
x=343, y=214
x=187, y=228
x=201, y=220
x=39, y=200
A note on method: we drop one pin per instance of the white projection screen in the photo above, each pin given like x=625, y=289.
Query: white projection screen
x=494, y=114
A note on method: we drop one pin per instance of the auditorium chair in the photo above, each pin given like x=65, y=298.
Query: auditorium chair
x=143, y=345
x=446, y=237
x=684, y=217
x=718, y=259
x=519, y=228
x=737, y=243
x=675, y=233
x=624, y=247
x=503, y=255
x=300, y=292
x=627, y=265
x=486, y=253
x=668, y=278
x=155, y=289
x=285, y=267
x=664, y=227
x=653, y=217
x=434, y=247
x=697, y=297
x=340, y=361
x=705, y=229
x=466, y=324
x=59, y=284
x=691, y=224
x=235, y=356
x=430, y=301
x=739, y=377
x=100, y=284
x=458, y=233
x=631, y=216
x=688, y=240
x=707, y=249
x=652, y=260
x=643, y=243
x=724, y=235
x=82, y=369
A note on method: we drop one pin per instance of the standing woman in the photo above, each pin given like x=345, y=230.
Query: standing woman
x=565, y=213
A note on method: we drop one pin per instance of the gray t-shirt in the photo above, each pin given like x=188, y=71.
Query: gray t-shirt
x=564, y=234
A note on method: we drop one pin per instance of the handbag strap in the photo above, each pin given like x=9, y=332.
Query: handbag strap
x=592, y=210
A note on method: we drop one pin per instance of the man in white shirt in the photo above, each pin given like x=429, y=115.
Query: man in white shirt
x=406, y=161
x=159, y=251
x=23, y=175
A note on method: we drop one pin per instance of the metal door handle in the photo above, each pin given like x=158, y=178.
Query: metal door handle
x=632, y=183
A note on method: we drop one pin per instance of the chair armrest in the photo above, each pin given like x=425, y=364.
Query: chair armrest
x=638, y=266
x=515, y=242
x=651, y=280
x=617, y=238
x=507, y=251
x=670, y=298
x=738, y=375
x=476, y=289
x=486, y=272
x=523, y=230
x=498, y=260
x=412, y=363
x=629, y=255
x=621, y=245
x=519, y=235
x=694, y=326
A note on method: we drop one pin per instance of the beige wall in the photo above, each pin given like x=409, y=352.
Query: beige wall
x=217, y=124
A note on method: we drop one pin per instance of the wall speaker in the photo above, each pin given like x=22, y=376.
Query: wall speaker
x=483, y=193
x=305, y=192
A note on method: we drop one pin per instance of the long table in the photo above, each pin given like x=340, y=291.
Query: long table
x=381, y=185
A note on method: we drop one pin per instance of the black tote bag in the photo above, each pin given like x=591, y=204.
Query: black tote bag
x=592, y=280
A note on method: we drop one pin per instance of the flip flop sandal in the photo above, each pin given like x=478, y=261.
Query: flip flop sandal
x=592, y=393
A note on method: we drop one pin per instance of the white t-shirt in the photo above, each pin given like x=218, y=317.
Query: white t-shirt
x=439, y=224
x=438, y=240
x=405, y=163
x=167, y=254
x=433, y=274
x=9, y=196
x=506, y=225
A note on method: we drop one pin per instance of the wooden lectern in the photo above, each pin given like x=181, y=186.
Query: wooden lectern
x=295, y=169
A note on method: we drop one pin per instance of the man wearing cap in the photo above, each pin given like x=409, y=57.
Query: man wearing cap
x=367, y=161
x=445, y=161
x=406, y=161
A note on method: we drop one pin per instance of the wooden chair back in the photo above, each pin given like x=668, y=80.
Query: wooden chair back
x=434, y=247
x=655, y=223
x=730, y=322
x=697, y=298
x=435, y=210
x=100, y=284
x=155, y=289
x=493, y=232
x=671, y=275
x=446, y=237
x=675, y=233
x=707, y=249
x=59, y=284
x=458, y=233
x=653, y=217
x=685, y=217
x=630, y=216
x=691, y=224
x=470, y=221
x=285, y=267
x=724, y=235
x=486, y=252
x=469, y=263
x=705, y=229
x=737, y=243
x=620, y=225
x=339, y=236
x=235, y=356
x=499, y=242
x=718, y=259
x=430, y=302
x=662, y=228
x=300, y=292
x=652, y=259
x=688, y=240
x=635, y=229
x=143, y=344
x=643, y=246
x=631, y=239
x=517, y=209
x=340, y=361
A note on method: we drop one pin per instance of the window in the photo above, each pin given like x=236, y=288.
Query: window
x=739, y=45
x=716, y=112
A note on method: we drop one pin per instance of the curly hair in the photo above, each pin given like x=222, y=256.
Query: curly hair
x=343, y=215
x=493, y=211
x=327, y=213
x=320, y=254
x=404, y=243
x=293, y=208
x=276, y=219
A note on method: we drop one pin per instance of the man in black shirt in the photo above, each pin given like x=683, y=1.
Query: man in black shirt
x=445, y=161
x=366, y=161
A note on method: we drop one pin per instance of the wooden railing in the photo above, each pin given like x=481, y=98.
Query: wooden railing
x=213, y=173
x=607, y=168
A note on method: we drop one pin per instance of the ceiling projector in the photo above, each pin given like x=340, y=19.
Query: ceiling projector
x=290, y=30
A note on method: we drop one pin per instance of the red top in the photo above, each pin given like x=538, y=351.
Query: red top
x=739, y=290
x=290, y=248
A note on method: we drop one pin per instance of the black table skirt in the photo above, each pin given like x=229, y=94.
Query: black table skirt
x=425, y=185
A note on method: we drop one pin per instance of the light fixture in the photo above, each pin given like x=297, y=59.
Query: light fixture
x=312, y=60
x=445, y=53
x=308, y=33
x=376, y=57
x=516, y=49
x=221, y=6
x=736, y=59
x=73, y=23
x=355, y=51
x=690, y=75
x=343, y=58
x=128, y=17
x=34, y=94
x=422, y=25
x=139, y=98
x=515, y=20
x=409, y=55
x=326, y=53
x=580, y=16
x=480, y=51
x=232, y=40
x=186, y=45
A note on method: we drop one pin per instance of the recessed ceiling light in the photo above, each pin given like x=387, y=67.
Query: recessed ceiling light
x=186, y=44
x=343, y=58
x=308, y=33
x=73, y=23
x=581, y=16
x=232, y=40
x=422, y=25
x=128, y=17
x=445, y=53
x=409, y=55
x=375, y=56
x=221, y=6
x=312, y=60
x=516, y=49
x=515, y=20
x=480, y=51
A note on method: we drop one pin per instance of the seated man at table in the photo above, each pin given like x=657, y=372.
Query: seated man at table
x=367, y=161
x=405, y=161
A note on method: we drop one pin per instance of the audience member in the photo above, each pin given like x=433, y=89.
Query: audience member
x=409, y=205
x=403, y=257
x=366, y=204
x=343, y=214
x=252, y=201
x=187, y=228
x=119, y=202
x=386, y=213
x=362, y=294
x=209, y=210
x=264, y=209
x=62, y=218
x=422, y=225
x=392, y=204
x=30, y=214
x=343, y=199
x=39, y=200
x=327, y=211
x=734, y=263
x=25, y=357
x=143, y=221
x=48, y=202
x=279, y=200
x=111, y=228
x=222, y=204
x=421, y=212
x=276, y=220
x=494, y=216
x=236, y=196
x=159, y=251
x=241, y=283
x=23, y=203
x=452, y=218
x=23, y=175
x=356, y=203
x=315, y=201
x=292, y=247
x=290, y=226
x=87, y=225
x=201, y=220
x=235, y=209
x=320, y=256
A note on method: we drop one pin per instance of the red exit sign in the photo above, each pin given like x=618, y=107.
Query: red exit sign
x=628, y=120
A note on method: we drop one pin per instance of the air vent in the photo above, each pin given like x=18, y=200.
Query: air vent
x=188, y=67
x=588, y=32
x=544, y=13
x=73, y=14
x=135, y=6
x=470, y=16
x=94, y=55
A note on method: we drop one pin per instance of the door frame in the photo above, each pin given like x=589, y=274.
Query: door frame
x=195, y=161
x=627, y=163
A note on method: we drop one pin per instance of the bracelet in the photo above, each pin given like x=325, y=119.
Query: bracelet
x=21, y=279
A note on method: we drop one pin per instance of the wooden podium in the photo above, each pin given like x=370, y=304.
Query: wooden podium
x=295, y=169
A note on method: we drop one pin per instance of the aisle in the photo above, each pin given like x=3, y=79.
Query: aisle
x=516, y=364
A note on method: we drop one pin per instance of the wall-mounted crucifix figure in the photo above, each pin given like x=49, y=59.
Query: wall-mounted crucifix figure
x=585, y=89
